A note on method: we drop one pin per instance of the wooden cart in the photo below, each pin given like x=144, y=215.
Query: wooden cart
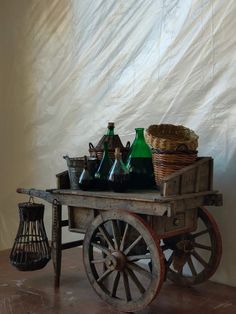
x=134, y=241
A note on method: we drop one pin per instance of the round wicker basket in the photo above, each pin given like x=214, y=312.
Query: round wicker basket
x=171, y=137
x=165, y=164
x=173, y=147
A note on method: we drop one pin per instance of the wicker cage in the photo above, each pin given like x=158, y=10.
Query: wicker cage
x=173, y=147
x=113, y=142
x=31, y=250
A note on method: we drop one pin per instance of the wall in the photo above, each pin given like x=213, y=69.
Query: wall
x=69, y=67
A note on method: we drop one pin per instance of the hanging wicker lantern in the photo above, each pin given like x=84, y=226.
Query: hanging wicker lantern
x=31, y=249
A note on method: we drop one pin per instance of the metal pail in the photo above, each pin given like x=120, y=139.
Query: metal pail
x=75, y=167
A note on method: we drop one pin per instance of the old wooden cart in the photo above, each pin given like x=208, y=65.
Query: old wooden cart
x=134, y=241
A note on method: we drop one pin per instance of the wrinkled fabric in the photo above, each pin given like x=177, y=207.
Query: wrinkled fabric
x=70, y=66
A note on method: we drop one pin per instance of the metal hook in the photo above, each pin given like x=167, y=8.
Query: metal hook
x=31, y=199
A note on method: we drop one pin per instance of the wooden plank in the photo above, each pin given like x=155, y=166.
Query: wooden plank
x=80, y=218
x=70, y=245
x=63, y=181
x=197, y=179
x=211, y=174
x=146, y=203
x=140, y=195
x=183, y=170
x=194, y=178
x=143, y=205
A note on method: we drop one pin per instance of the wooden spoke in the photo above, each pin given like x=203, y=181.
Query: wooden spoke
x=214, y=250
x=124, y=237
x=170, y=259
x=98, y=261
x=164, y=247
x=104, y=275
x=191, y=266
x=198, y=234
x=131, y=287
x=135, y=280
x=132, y=245
x=133, y=258
x=116, y=234
x=101, y=248
x=201, y=246
x=200, y=259
x=106, y=236
x=140, y=270
x=115, y=284
x=126, y=285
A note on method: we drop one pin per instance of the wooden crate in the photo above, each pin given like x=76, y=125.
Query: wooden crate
x=195, y=178
x=181, y=222
x=80, y=218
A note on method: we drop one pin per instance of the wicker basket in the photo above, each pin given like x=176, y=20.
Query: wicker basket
x=165, y=164
x=171, y=137
x=173, y=147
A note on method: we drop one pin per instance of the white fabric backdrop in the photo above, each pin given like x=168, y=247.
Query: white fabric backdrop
x=70, y=66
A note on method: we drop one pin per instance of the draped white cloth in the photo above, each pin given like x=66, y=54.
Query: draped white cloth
x=70, y=66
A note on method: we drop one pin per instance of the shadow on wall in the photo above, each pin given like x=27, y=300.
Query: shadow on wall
x=16, y=110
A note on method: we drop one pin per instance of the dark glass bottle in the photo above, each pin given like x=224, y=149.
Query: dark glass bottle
x=101, y=175
x=110, y=128
x=139, y=163
x=119, y=174
x=86, y=180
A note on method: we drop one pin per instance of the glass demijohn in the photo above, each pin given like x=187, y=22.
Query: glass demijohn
x=119, y=174
x=101, y=175
x=139, y=163
x=86, y=180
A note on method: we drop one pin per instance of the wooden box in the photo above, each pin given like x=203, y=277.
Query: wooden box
x=195, y=178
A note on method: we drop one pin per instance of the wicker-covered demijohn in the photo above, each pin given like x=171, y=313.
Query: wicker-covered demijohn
x=113, y=141
x=173, y=147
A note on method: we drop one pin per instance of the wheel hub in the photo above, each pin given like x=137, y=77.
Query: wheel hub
x=115, y=261
x=186, y=246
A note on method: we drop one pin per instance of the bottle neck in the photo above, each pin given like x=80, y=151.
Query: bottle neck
x=110, y=128
x=139, y=134
x=140, y=148
x=105, y=154
x=110, y=131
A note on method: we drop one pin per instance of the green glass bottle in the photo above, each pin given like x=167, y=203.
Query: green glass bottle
x=110, y=128
x=139, y=163
x=101, y=175
x=119, y=174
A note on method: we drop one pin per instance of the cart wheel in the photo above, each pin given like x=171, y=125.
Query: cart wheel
x=194, y=257
x=118, y=249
